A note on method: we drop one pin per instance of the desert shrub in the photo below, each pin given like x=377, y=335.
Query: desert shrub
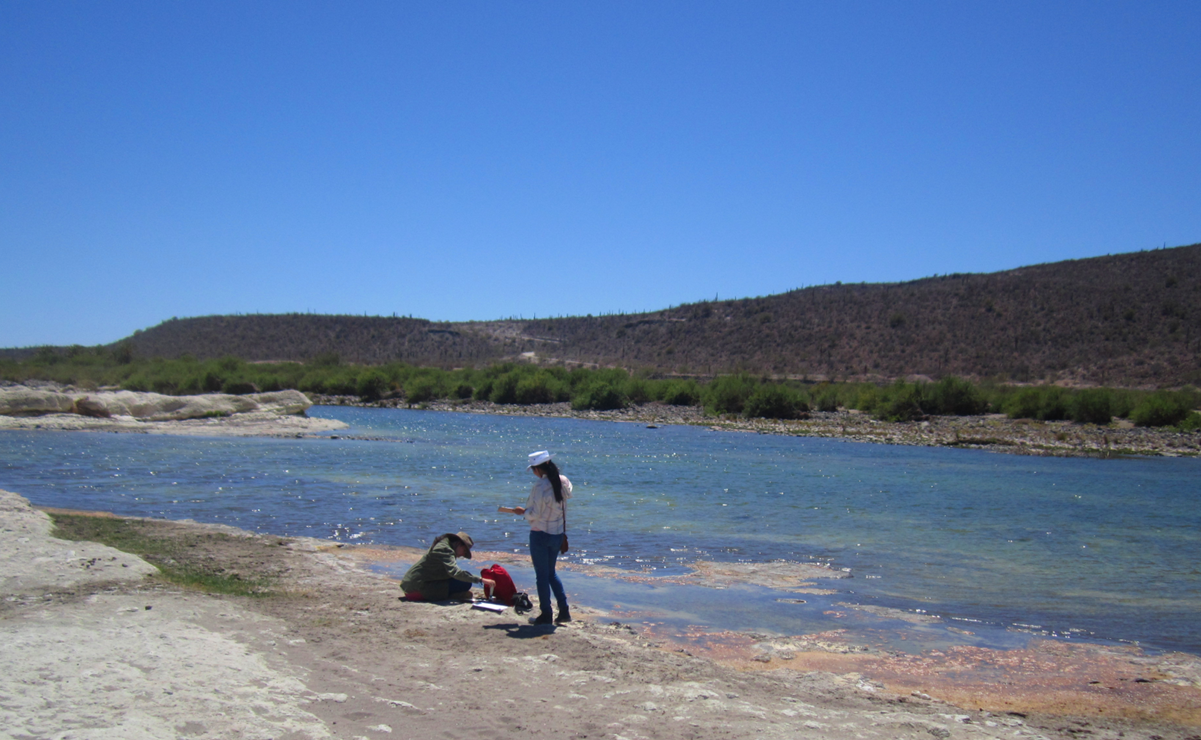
x=484, y=381
x=901, y=402
x=230, y=365
x=1190, y=423
x=504, y=388
x=277, y=377
x=1162, y=409
x=1091, y=406
x=533, y=389
x=598, y=395
x=825, y=397
x=165, y=386
x=774, y=401
x=421, y=389
x=1045, y=403
x=343, y=383
x=559, y=384
x=238, y=387
x=139, y=383
x=372, y=385
x=312, y=382
x=638, y=391
x=611, y=376
x=1122, y=401
x=123, y=353
x=1023, y=404
x=189, y=384
x=211, y=382
x=483, y=389
x=680, y=393
x=953, y=396
x=867, y=398
x=1054, y=404
x=46, y=356
x=271, y=384
x=728, y=394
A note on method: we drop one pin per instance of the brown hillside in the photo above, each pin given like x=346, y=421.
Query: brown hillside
x=300, y=337
x=1130, y=319
x=1124, y=320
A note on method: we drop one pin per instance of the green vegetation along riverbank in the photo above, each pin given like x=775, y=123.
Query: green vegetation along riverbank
x=951, y=410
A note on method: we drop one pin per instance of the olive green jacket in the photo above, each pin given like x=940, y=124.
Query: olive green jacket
x=431, y=574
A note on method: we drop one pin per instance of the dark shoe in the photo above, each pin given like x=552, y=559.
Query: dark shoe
x=543, y=618
x=564, y=615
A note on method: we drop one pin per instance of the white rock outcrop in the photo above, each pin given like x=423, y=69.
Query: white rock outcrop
x=31, y=559
x=23, y=401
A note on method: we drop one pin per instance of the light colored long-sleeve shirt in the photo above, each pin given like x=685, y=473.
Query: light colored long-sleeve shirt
x=542, y=511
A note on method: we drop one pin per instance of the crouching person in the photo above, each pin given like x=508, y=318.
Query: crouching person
x=436, y=576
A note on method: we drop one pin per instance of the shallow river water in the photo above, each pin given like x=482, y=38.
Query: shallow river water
x=1079, y=548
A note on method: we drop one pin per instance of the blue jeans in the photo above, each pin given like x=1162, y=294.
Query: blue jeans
x=544, y=551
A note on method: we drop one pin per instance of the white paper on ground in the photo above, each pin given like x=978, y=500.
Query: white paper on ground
x=489, y=606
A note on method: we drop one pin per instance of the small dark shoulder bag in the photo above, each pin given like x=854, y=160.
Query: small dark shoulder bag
x=563, y=544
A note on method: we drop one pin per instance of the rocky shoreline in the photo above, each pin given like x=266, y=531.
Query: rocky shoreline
x=993, y=432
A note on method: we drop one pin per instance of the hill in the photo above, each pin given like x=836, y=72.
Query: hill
x=1122, y=320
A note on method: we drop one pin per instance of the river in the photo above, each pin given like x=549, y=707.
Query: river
x=1105, y=550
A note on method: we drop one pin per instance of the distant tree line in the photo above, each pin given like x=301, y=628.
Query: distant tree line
x=737, y=394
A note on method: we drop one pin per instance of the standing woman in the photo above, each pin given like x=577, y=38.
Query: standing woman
x=546, y=511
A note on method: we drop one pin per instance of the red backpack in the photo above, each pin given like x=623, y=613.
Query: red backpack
x=506, y=592
x=505, y=589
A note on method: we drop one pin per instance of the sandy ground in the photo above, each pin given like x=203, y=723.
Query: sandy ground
x=93, y=645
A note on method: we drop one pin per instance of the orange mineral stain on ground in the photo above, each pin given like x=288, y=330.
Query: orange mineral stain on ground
x=1047, y=676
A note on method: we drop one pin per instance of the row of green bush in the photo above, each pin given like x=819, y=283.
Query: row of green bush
x=507, y=383
x=909, y=401
x=605, y=389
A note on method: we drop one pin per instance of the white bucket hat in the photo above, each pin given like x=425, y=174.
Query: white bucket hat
x=537, y=458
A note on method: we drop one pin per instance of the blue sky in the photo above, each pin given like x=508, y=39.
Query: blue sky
x=483, y=160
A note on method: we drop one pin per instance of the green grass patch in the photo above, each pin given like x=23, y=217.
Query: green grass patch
x=181, y=557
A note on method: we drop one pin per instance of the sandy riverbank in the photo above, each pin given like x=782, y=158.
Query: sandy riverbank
x=96, y=648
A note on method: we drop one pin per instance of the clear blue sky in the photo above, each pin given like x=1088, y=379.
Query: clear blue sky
x=481, y=160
